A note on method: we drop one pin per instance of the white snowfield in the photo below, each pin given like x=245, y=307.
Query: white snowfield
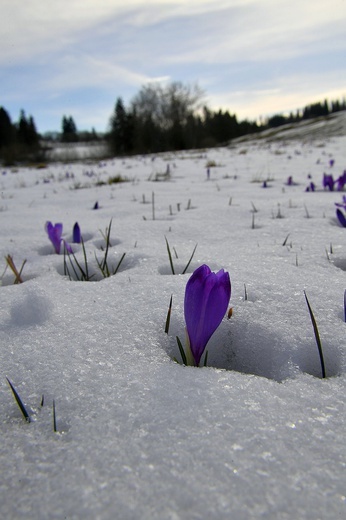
x=256, y=434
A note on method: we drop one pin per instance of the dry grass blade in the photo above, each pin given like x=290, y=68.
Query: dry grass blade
x=11, y=265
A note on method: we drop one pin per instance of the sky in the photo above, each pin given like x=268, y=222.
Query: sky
x=253, y=58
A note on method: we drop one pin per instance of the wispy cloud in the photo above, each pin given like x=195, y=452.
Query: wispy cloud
x=245, y=53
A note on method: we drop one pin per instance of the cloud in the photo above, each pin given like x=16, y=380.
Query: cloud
x=289, y=93
x=245, y=53
x=82, y=70
x=254, y=33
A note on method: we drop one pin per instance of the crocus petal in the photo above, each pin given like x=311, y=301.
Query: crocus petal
x=76, y=234
x=207, y=296
x=341, y=217
x=328, y=181
x=67, y=246
x=54, y=234
x=48, y=226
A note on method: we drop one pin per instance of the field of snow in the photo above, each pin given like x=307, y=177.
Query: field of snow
x=256, y=434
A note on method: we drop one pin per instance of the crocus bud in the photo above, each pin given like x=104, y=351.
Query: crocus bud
x=207, y=296
x=76, y=234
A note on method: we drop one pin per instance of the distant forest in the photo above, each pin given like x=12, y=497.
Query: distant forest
x=158, y=119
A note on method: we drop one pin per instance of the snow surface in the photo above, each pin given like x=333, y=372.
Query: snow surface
x=257, y=434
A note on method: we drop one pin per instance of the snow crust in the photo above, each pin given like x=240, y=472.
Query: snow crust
x=258, y=433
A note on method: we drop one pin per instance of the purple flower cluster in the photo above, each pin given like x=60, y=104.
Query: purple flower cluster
x=54, y=232
x=329, y=182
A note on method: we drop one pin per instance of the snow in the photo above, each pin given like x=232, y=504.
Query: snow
x=256, y=434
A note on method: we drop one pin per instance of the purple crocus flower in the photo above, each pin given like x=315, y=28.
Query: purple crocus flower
x=341, y=204
x=311, y=187
x=54, y=235
x=207, y=296
x=341, y=217
x=341, y=181
x=76, y=234
x=328, y=181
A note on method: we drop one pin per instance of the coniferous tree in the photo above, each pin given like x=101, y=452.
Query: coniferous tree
x=69, y=130
x=23, y=129
x=7, y=131
x=121, y=133
x=27, y=135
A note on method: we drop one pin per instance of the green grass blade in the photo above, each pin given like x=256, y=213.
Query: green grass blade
x=19, y=402
x=99, y=265
x=85, y=260
x=170, y=256
x=82, y=275
x=168, y=319
x=65, y=264
x=206, y=358
x=285, y=241
x=317, y=336
x=66, y=271
x=182, y=353
x=119, y=263
x=54, y=417
x=189, y=262
x=106, y=236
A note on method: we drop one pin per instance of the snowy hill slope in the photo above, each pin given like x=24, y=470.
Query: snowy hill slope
x=256, y=434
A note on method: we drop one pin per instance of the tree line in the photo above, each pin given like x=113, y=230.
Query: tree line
x=170, y=118
x=309, y=112
x=174, y=118
x=159, y=118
